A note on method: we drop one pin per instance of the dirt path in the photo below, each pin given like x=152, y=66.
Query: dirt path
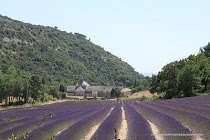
x=52, y=102
x=94, y=128
x=197, y=138
x=155, y=131
x=194, y=137
x=124, y=128
x=60, y=132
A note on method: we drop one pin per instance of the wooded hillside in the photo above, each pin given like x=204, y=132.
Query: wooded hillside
x=36, y=61
x=184, y=78
x=58, y=56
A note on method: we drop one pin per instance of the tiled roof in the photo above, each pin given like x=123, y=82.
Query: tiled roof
x=80, y=89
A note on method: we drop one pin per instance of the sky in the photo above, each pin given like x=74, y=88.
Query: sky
x=147, y=34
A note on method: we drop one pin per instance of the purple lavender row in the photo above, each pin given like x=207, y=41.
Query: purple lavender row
x=23, y=128
x=107, y=102
x=187, y=103
x=164, y=123
x=81, y=128
x=19, y=112
x=51, y=107
x=50, y=129
x=130, y=100
x=2, y=121
x=138, y=127
x=106, y=128
x=58, y=123
x=196, y=123
x=19, y=128
x=192, y=104
x=29, y=125
x=22, y=113
x=8, y=125
x=195, y=100
x=57, y=109
x=182, y=106
x=201, y=104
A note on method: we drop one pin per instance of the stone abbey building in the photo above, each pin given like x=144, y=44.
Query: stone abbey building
x=82, y=88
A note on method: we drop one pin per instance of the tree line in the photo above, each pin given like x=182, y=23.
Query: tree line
x=184, y=78
x=26, y=88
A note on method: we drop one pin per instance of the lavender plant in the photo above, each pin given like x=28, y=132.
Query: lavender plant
x=138, y=127
x=164, y=123
x=196, y=123
x=106, y=128
x=81, y=128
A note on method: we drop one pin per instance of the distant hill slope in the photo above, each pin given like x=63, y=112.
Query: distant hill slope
x=58, y=56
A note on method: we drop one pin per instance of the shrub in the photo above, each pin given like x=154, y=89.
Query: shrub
x=47, y=97
x=143, y=98
x=63, y=95
x=134, y=90
x=153, y=98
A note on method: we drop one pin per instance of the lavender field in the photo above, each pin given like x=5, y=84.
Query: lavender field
x=174, y=119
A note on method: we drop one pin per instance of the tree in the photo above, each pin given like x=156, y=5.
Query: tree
x=17, y=87
x=205, y=74
x=25, y=91
x=44, y=79
x=4, y=91
x=207, y=50
x=166, y=81
x=26, y=86
x=113, y=93
x=54, y=92
x=188, y=79
x=153, y=84
x=62, y=88
x=35, y=88
x=134, y=86
x=116, y=92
